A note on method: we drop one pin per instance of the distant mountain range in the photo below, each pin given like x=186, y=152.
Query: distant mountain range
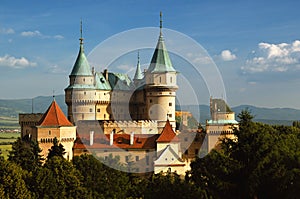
x=285, y=116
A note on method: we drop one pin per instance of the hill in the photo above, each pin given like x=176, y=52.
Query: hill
x=10, y=109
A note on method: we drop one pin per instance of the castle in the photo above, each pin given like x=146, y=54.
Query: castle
x=110, y=114
x=113, y=96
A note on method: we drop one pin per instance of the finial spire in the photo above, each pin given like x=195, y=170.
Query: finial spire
x=138, y=57
x=81, y=39
x=53, y=91
x=160, y=23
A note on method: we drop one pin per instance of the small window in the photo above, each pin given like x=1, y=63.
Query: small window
x=150, y=100
x=126, y=158
x=49, y=132
x=170, y=103
x=83, y=79
x=196, y=151
x=91, y=110
x=147, y=160
x=98, y=110
x=104, y=116
x=171, y=79
x=84, y=93
x=137, y=158
x=159, y=79
x=170, y=115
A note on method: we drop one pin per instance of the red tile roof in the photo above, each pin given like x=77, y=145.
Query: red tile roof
x=121, y=141
x=167, y=134
x=54, y=116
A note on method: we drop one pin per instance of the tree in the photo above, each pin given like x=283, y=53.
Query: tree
x=170, y=185
x=59, y=179
x=26, y=153
x=12, y=183
x=100, y=180
x=56, y=150
x=262, y=162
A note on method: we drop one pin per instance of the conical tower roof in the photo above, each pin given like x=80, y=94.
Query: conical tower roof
x=54, y=116
x=81, y=66
x=167, y=134
x=138, y=73
x=160, y=61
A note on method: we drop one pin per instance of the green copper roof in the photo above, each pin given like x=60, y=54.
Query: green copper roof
x=81, y=66
x=120, y=81
x=160, y=60
x=138, y=73
x=101, y=82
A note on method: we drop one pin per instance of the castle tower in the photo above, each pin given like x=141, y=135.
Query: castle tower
x=161, y=85
x=80, y=94
x=54, y=124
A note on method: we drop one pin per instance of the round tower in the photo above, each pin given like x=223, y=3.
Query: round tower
x=81, y=93
x=161, y=85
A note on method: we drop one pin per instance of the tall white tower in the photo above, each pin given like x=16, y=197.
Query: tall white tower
x=81, y=93
x=161, y=85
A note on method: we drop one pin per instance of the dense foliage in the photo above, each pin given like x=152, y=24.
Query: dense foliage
x=262, y=162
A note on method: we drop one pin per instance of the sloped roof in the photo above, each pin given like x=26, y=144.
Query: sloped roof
x=121, y=141
x=160, y=61
x=54, y=116
x=168, y=157
x=220, y=105
x=167, y=134
x=120, y=81
x=138, y=73
x=101, y=82
x=81, y=66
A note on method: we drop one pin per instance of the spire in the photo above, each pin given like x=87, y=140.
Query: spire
x=160, y=61
x=81, y=66
x=138, y=73
x=81, y=39
x=160, y=24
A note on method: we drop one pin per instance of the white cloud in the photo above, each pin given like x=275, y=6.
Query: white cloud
x=31, y=33
x=7, y=31
x=125, y=67
x=226, y=55
x=13, y=62
x=37, y=33
x=274, y=58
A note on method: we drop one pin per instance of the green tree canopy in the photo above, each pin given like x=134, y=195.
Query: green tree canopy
x=262, y=162
x=12, y=181
x=26, y=153
x=56, y=150
x=100, y=180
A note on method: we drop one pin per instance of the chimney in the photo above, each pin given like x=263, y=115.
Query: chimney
x=91, y=138
x=131, y=138
x=105, y=74
x=111, y=138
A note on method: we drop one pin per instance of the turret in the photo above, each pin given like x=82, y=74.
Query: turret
x=161, y=85
x=80, y=94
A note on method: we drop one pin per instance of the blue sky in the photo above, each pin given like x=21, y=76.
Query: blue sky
x=254, y=44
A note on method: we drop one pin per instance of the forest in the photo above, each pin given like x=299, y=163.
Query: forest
x=262, y=162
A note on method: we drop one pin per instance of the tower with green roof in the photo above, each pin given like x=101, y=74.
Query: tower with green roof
x=160, y=85
x=80, y=94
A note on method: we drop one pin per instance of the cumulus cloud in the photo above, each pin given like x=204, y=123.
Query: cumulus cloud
x=274, y=58
x=13, y=62
x=125, y=67
x=227, y=55
x=37, y=33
